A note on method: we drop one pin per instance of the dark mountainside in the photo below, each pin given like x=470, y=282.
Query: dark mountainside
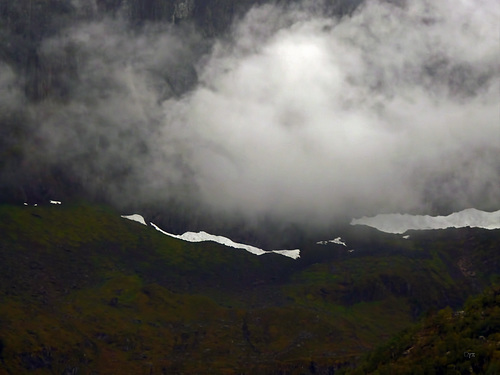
x=451, y=342
x=83, y=291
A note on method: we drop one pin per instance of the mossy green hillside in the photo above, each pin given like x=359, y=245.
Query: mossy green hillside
x=82, y=289
x=446, y=342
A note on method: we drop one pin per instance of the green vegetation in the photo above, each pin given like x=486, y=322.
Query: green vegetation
x=461, y=342
x=85, y=291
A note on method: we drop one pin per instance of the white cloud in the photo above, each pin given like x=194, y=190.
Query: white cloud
x=295, y=115
x=326, y=115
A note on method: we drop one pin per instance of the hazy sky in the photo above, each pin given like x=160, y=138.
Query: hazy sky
x=392, y=109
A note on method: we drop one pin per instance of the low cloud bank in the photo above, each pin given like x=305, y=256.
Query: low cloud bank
x=392, y=109
x=294, y=116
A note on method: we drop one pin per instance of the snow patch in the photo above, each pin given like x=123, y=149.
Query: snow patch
x=294, y=254
x=337, y=241
x=135, y=217
x=204, y=236
x=55, y=202
x=406, y=237
x=398, y=223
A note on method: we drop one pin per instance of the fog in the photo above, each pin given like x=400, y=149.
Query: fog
x=293, y=115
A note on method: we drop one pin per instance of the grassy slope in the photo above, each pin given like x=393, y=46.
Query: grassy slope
x=448, y=342
x=82, y=288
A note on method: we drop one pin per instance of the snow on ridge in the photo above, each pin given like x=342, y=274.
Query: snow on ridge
x=204, y=236
x=337, y=241
x=294, y=254
x=135, y=217
x=400, y=223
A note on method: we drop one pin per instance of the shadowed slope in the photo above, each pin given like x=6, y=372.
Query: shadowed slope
x=82, y=289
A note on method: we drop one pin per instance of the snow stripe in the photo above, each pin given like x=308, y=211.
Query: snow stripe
x=204, y=236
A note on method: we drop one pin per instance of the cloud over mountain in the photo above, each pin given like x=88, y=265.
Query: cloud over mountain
x=293, y=115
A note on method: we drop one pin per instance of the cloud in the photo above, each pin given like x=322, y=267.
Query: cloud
x=114, y=79
x=9, y=89
x=293, y=116
x=331, y=116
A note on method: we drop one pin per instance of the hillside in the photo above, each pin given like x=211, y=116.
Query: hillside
x=86, y=291
x=446, y=342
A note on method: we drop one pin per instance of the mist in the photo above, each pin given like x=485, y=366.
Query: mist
x=293, y=115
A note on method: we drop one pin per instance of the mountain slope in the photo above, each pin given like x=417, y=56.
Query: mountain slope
x=84, y=290
x=465, y=341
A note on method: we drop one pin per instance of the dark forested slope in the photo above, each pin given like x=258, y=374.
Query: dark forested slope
x=446, y=342
x=84, y=290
